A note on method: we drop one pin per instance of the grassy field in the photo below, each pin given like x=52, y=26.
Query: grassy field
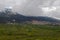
x=29, y=32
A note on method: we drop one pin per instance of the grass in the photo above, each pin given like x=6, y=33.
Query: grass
x=29, y=32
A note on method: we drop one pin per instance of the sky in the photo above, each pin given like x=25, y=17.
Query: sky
x=50, y=8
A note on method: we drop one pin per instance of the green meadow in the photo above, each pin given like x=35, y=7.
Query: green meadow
x=29, y=32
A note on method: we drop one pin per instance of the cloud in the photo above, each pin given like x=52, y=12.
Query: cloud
x=16, y=4
x=34, y=7
x=48, y=9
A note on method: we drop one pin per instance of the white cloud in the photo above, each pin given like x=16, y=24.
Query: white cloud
x=14, y=3
x=48, y=9
x=9, y=7
x=30, y=7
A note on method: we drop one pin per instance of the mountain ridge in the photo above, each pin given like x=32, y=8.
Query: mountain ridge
x=6, y=16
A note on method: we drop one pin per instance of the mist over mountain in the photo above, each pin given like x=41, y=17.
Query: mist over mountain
x=50, y=8
x=8, y=15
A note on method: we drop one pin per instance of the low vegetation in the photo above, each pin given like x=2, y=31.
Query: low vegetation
x=29, y=32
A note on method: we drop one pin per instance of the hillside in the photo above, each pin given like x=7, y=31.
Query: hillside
x=8, y=15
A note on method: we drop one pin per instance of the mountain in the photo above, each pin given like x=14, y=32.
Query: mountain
x=10, y=16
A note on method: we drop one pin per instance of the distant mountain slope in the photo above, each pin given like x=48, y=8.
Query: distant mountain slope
x=6, y=16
